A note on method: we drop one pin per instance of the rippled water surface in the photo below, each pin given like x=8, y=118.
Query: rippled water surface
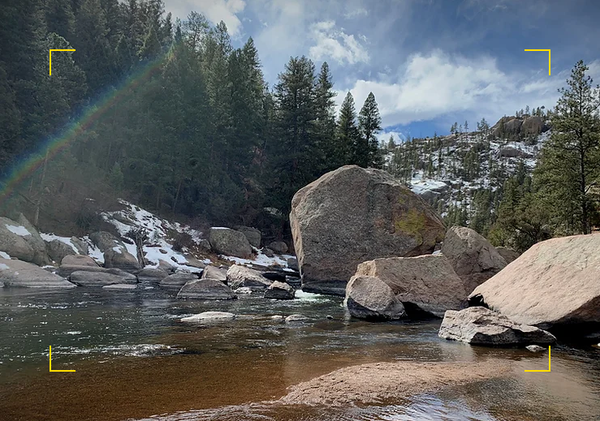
x=134, y=360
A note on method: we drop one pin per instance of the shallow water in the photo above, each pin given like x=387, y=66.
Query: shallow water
x=135, y=360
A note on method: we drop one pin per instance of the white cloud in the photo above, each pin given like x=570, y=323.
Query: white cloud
x=335, y=43
x=432, y=86
x=355, y=13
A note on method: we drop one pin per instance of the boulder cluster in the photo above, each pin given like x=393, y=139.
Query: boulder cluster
x=362, y=234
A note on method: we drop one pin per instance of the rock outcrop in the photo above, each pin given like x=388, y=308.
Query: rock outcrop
x=16, y=273
x=351, y=215
x=368, y=297
x=241, y=276
x=553, y=285
x=473, y=258
x=532, y=125
x=229, y=242
x=422, y=284
x=206, y=289
x=481, y=326
x=280, y=291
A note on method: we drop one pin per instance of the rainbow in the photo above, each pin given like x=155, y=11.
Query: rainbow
x=55, y=144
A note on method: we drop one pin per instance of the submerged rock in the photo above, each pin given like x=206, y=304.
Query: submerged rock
x=16, y=273
x=206, y=289
x=422, y=284
x=351, y=215
x=553, y=285
x=280, y=291
x=209, y=316
x=296, y=318
x=368, y=297
x=481, y=326
x=473, y=258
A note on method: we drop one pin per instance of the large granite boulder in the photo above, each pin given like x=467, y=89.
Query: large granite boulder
x=99, y=279
x=253, y=235
x=206, y=289
x=513, y=126
x=473, y=258
x=368, y=297
x=422, y=284
x=120, y=258
x=16, y=273
x=481, y=326
x=241, y=276
x=177, y=280
x=20, y=239
x=280, y=291
x=229, y=242
x=553, y=285
x=351, y=215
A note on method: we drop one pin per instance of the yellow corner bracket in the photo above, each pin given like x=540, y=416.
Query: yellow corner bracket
x=56, y=371
x=549, y=60
x=542, y=371
x=50, y=55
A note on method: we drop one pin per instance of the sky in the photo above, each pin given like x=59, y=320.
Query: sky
x=428, y=62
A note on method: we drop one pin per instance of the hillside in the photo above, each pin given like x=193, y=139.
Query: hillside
x=463, y=174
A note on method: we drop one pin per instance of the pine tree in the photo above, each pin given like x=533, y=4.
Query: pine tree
x=569, y=169
x=325, y=122
x=367, y=152
x=347, y=132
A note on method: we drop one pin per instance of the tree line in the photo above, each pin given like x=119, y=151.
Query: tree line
x=195, y=131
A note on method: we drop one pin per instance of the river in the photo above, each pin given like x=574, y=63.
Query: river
x=135, y=360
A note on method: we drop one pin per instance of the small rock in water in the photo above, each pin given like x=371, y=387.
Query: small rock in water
x=120, y=286
x=329, y=317
x=293, y=318
x=277, y=317
x=209, y=316
x=535, y=348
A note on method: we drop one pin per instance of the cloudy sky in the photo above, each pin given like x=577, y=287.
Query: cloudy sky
x=428, y=62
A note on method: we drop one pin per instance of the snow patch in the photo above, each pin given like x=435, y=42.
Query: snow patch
x=4, y=255
x=18, y=229
x=117, y=249
x=3, y=266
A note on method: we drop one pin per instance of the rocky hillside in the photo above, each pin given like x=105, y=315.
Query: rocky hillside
x=465, y=170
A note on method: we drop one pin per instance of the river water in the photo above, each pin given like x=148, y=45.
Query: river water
x=135, y=360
